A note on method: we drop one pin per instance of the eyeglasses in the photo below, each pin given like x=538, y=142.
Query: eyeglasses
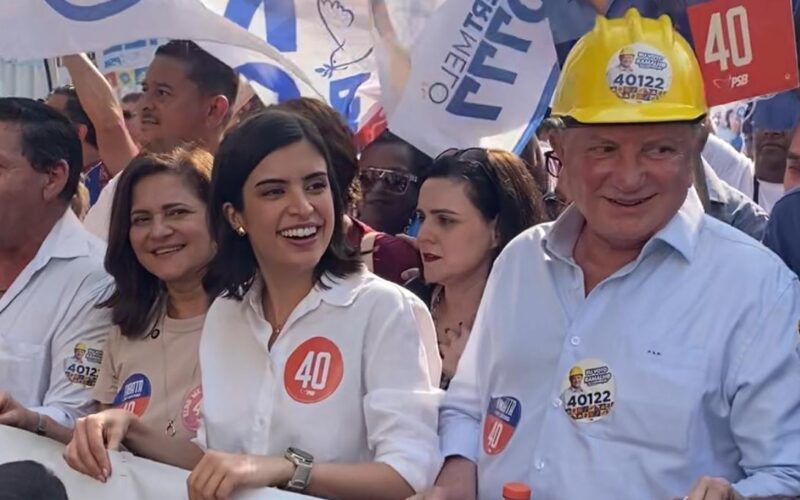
x=553, y=163
x=395, y=182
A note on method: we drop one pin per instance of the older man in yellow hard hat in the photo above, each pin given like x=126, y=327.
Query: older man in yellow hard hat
x=685, y=329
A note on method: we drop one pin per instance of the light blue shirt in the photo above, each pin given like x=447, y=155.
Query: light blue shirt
x=700, y=334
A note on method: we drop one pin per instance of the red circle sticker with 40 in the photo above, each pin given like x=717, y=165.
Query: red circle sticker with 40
x=313, y=371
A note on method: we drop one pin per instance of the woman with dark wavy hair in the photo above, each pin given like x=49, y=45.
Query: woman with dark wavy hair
x=159, y=249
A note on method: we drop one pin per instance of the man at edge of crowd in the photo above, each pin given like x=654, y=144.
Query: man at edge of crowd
x=51, y=273
x=685, y=329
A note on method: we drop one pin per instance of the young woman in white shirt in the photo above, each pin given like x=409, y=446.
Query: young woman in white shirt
x=316, y=375
x=159, y=249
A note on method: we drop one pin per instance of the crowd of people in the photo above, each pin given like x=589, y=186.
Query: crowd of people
x=236, y=290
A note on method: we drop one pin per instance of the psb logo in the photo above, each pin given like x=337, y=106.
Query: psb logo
x=91, y=10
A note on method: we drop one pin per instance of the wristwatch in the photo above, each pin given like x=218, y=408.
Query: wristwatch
x=302, y=472
x=40, y=425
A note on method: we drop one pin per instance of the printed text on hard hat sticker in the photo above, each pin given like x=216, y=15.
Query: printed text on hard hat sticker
x=588, y=391
x=639, y=73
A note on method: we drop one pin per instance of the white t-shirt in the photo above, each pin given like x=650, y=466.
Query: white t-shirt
x=51, y=332
x=348, y=380
x=768, y=194
x=98, y=219
x=730, y=165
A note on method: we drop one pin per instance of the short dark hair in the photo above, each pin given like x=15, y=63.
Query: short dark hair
x=212, y=76
x=499, y=186
x=75, y=112
x=337, y=136
x=234, y=267
x=47, y=137
x=420, y=162
x=139, y=296
x=29, y=480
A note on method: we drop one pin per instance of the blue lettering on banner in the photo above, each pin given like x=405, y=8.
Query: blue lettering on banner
x=88, y=13
x=281, y=23
x=489, y=22
x=280, y=19
x=271, y=77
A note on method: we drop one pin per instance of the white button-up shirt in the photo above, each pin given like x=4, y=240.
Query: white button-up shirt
x=350, y=379
x=51, y=333
x=693, y=351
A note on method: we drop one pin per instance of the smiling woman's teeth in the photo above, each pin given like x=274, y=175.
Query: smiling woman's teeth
x=303, y=232
x=163, y=251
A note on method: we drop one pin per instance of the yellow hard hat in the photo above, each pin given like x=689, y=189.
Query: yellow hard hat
x=663, y=85
x=576, y=370
x=80, y=346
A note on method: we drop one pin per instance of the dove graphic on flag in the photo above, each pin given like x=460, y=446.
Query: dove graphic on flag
x=338, y=20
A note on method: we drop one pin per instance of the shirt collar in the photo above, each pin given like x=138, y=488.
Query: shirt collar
x=681, y=232
x=338, y=292
x=67, y=240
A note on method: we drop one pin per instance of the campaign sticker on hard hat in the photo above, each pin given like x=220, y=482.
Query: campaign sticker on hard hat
x=639, y=73
x=588, y=391
x=502, y=418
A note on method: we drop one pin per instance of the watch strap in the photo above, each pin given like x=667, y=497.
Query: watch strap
x=302, y=471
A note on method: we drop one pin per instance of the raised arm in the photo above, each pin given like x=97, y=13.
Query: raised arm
x=97, y=97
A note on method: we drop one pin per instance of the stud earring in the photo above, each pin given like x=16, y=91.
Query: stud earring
x=241, y=231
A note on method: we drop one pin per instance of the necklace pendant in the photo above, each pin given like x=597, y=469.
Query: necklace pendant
x=171, y=431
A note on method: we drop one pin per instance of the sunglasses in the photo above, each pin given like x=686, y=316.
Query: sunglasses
x=553, y=163
x=395, y=182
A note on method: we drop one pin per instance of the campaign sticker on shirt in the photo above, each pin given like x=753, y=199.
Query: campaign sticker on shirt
x=313, y=371
x=502, y=419
x=134, y=395
x=190, y=414
x=588, y=391
x=83, y=367
x=639, y=73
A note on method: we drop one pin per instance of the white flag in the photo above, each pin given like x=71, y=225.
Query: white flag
x=480, y=77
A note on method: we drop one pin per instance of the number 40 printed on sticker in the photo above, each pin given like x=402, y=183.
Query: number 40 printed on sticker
x=746, y=48
x=313, y=371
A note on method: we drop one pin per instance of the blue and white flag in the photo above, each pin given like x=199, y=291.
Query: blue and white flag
x=36, y=29
x=286, y=48
x=480, y=77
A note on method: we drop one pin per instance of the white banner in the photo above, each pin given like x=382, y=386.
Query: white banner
x=132, y=478
x=482, y=74
x=286, y=48
x=71, y=26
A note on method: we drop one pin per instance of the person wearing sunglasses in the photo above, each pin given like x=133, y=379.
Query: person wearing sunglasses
x=390, y=173
x=472, y=203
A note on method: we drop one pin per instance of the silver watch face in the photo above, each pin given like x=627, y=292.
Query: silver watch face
x=305, y=456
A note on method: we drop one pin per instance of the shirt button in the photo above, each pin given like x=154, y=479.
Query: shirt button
x=576, y=341
x=540, y=465
x=557, y=402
